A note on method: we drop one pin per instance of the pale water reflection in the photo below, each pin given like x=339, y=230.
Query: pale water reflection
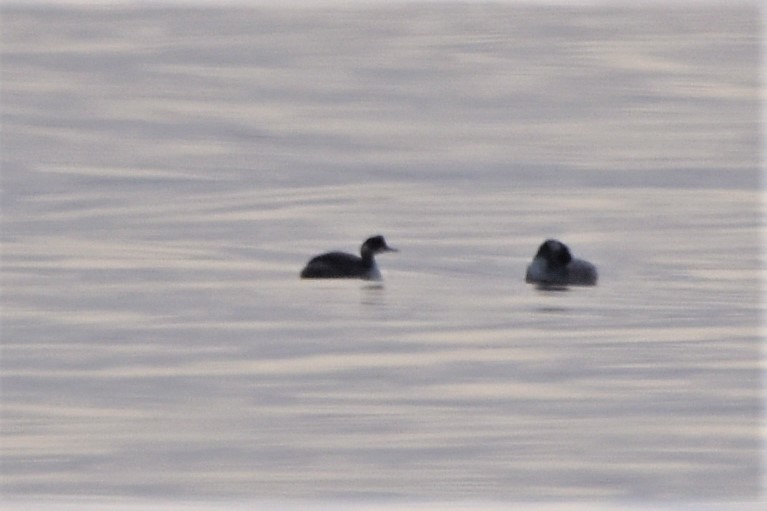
x=167, y=173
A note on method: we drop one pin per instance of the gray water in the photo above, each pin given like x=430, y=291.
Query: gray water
x=167, y=172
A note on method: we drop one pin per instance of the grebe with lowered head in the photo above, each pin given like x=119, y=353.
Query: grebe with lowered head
x=340, y=265
x=554, y=265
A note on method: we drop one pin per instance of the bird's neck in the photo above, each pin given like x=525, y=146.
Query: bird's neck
x=367, y=257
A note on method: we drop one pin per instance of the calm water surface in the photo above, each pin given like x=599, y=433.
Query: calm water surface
x=167, y=172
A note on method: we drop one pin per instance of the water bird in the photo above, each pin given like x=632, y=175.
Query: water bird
x=340, y=265
x=554, y=265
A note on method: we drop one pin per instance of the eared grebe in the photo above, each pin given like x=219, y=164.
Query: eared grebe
x=340, y=265
x=553, y=265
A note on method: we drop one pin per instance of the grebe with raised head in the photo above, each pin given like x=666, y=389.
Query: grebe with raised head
x=340, y=265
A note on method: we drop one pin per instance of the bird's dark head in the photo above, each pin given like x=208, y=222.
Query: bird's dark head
x=555, y=253
x=376, y=245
